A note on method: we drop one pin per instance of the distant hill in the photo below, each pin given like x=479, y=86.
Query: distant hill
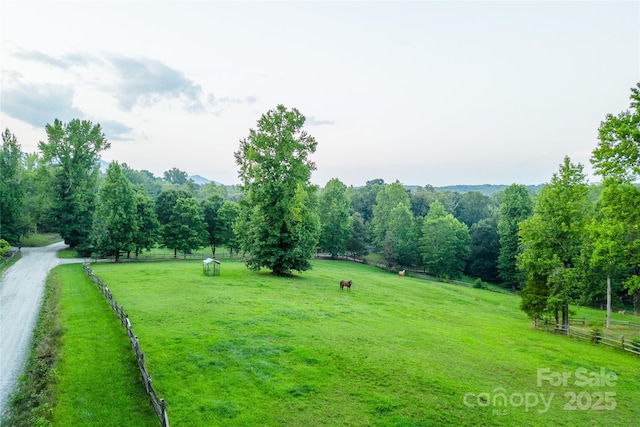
x=200, y=180
x=486, y=189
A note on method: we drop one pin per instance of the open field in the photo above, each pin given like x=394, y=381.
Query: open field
x=248, y=348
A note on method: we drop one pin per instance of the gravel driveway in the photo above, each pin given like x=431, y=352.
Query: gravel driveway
x=21, y=291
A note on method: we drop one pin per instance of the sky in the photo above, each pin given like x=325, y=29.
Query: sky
x=420, y=92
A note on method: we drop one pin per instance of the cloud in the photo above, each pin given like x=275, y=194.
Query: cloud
x=312, y=121
x=38, y=104
x=116, y=131
x=63, y=62
x=131, y=82
x=147, y=81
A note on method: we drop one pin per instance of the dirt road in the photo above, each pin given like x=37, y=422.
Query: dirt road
x=21, y=291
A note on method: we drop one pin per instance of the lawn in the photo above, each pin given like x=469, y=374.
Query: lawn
x=97, y=379
x=40, y=239
x=249, y=348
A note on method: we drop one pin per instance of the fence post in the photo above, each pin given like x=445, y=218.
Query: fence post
x=622, y=339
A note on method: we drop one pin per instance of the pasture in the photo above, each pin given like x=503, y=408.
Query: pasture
x=249, y=348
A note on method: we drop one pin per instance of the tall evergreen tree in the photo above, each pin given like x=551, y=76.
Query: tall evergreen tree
x=280, y=227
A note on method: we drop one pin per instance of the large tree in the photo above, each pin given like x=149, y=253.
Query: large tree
x=552, y=240
x=390, y=196
x=484, y=249
x=212, y=221
x=336, y=227
x=74, y=150
x=148, y=231
x=617, y=234
x=472, y=207
x=185, y=230
x=280, y=227
x=516, y=206
x=618, y=152
x=400, y=245
x=444, y=243
x=12, y=194
x=115, y=221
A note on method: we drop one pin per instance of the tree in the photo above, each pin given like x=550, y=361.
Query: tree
x=165, y=202
x=444, y=243
x=38, y=201
x=484, y=249
x=616, y=237
x=12, y=225
x=280, y=227
x=213, y=224
x=400, y=240
x=472, y=207
x=552, y=239
x=147, y=233
x=618, y=152
x=390, y=196
x=336, y=227
x=357, y=243
x=74, y=150
x=363, y=199
x=515, y=207
x=150, y=183
x=115, y=222
x=185, y=230
x=227, y=215
x=175, y=176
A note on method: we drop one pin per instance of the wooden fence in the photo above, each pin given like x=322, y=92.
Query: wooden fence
x=595, y=336
x=159, y=405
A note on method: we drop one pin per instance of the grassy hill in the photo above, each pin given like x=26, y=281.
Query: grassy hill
x=248, y=348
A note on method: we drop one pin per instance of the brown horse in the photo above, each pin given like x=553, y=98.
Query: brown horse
x=345, y=283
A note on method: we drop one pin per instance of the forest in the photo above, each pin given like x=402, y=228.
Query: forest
x=565, y=242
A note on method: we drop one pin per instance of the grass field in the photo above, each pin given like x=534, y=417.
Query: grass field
x=40, y=239
x=249, y=348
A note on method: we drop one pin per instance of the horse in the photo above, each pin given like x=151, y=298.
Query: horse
x=401, y=273
x=622, y=311
x=345, y=283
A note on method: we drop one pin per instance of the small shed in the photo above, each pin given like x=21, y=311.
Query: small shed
x=211, y=267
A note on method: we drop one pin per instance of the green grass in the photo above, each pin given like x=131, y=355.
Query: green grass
x=249, y=348
x=68, y=254
x=40, y=239
x=97, y=380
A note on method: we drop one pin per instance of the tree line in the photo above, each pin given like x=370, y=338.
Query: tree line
x=557, y=247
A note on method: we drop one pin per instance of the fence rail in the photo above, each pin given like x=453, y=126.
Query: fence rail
x=595, y=336
x=159, y=405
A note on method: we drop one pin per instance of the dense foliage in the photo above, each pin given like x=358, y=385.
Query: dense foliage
x=279, y=229
x=575, y=242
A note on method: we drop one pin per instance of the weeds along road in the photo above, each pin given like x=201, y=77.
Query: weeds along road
x=21, y=292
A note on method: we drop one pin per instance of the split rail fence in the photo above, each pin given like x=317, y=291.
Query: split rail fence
x=159, y=405
x=595, y=336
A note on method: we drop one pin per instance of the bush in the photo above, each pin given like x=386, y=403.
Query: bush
x=479, y=284
x=5, y=248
